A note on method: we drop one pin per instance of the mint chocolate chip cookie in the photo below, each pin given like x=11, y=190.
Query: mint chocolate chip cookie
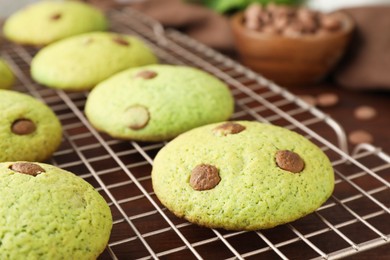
x=48, y=21
x=49, y=213
x=29, y=130
x=157, y=102
x=242, y=176
x=80, y=62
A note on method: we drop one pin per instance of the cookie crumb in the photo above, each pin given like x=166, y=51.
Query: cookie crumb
x=23, y=127
x=365, y=112
x=327, y=100
x=360, y=136
x=137, y=117
x=27, y=168
x=146, y=74
x=204, y=177
x=289, y=161
x=228, y=128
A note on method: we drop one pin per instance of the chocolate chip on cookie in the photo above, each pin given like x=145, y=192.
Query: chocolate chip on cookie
x=137, y=117
x=289, y=161
x=146, y=74
x=27, y=168
x=23, y=127
x=204, y=177
x=121, y=41
x=228, y=128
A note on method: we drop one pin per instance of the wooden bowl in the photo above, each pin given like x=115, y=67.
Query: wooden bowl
x=290, y=61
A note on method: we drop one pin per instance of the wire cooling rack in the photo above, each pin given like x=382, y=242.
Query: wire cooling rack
x=354, y=219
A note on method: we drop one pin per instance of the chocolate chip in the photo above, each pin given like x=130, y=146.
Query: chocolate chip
x=330, y=23
x=365, y=112
x=252, y=14
x=56, y=16
x=310, y=100
x=27, y=168
x=289, y=21
x=327, y=100
x=269, y=29
x=293, y=30
x=229, y=128
x=23, y=127
x=289, y=161
x=146, y=74
x=360, y=136
x=204, y=177
x=121, y=41
x=137, y=117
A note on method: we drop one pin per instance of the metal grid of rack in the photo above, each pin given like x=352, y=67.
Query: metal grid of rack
x=120, y=170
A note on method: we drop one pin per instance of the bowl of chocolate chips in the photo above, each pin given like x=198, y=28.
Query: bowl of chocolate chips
x=291, y=45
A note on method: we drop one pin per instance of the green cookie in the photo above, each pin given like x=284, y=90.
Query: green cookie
x=157, y=102
x=7, y=77
x=81, y=62
x=29, y=130
x=49, y=213
x=242, y=176
x=48, y=21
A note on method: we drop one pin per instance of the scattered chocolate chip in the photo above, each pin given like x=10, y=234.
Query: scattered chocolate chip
x=204, y=177
x=27, y=168
x=327, y=100
x=310, y=100
x=229, y=128
x=289, y=161
x=365, y=112
x=360, y=136
x=23, y=127
x=137, y=117
x=121, y=41
x=146, y=74
x=56, y=16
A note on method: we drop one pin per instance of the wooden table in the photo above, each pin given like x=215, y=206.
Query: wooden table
x=379, y=127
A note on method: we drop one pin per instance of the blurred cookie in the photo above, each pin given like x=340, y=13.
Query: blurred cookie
x=29, y=130
x=47, y=21
x=242, y=176
x=82, y=61
x=7, y=77
x=49, y=213
x=157, y=102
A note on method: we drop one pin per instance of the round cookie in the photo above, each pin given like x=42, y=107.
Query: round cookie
x=7, y=77
x=29, y=130
x=157, y=102
x=49, y=213
x=82, y=61
x=242, y=176
x=47, y=21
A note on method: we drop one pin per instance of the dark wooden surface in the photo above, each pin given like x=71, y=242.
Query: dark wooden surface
x=349, y=100
x=378, y=127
